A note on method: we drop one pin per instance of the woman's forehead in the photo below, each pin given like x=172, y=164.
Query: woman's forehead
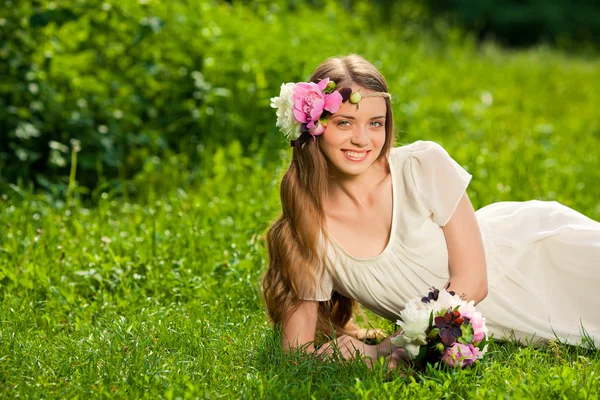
x=367, y=107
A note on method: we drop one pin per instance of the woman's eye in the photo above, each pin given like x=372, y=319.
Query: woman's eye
x=375, y=124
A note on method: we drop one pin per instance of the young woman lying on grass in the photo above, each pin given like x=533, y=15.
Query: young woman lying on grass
x=366, y=222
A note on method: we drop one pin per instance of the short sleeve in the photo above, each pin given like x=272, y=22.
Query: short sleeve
x=323, y=287
x=322, y=290
x=439, y=180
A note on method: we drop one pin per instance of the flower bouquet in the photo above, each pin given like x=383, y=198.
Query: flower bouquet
x=442, y=327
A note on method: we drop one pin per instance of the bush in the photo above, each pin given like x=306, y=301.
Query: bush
x=132, y=79
x=117, y=77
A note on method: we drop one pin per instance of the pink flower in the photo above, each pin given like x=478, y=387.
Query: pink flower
x=478, y=324
x=461, y=355
x=310, y=102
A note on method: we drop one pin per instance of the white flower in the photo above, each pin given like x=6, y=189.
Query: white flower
x=415, y=321
x=285, y=112
x=446, y=300
x=483, y=351
x=412, y=350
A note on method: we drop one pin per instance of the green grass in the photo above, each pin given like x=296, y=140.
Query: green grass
x=159, y=297
x=149, y=301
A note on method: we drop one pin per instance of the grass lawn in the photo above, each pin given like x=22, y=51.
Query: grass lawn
x=159, y=297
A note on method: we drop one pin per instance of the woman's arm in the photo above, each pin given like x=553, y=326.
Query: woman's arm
x=466, y=256
x=299, y=332
x=299, y=328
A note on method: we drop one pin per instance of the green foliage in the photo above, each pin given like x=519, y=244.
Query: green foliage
x=144, y=84
x=136, y=79
x=519, y=23
x=113, y=75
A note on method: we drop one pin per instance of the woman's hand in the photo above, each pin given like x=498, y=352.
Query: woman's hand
x=398, y=358
x=348, y=346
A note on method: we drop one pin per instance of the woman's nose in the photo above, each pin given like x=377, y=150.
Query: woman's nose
x=360, y=136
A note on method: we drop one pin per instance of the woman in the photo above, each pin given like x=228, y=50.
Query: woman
x=365, y=222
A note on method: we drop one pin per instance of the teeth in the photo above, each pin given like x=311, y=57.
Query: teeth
x=353, y=154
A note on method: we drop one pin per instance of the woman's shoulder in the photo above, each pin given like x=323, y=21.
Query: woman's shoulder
x=437, y=180
x=419, y=145
x=421, y=149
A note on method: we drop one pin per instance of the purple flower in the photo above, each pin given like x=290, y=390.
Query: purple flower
x=461, y=355
x=431, y=296
x=310, y=102
x=449, y=326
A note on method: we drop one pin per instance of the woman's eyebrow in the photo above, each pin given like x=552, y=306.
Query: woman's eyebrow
x=351, y=117
x=343, y=116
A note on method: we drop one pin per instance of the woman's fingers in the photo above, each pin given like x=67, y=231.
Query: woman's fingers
x=326, y=349
x=398, y=358
x=344, y=344
x=348, y=346
x=401, y=355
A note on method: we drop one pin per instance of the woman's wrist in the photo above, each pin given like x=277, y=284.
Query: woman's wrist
x=386, y=347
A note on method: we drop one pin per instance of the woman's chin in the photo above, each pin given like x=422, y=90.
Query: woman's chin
x=353, y=169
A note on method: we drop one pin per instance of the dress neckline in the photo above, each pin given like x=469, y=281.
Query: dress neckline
x=392, y=228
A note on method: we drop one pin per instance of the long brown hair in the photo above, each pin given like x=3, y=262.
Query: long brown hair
x=295, y=256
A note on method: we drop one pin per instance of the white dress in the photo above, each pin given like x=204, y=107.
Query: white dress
x=543, y=258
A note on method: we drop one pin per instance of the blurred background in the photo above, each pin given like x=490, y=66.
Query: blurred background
x=140, y=167
x=146, y=91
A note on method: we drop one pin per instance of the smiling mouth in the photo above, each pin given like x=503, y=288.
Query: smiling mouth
x=356, y=155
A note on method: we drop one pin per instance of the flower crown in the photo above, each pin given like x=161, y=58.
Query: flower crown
x=303, y=108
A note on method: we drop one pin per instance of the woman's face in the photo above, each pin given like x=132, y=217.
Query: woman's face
x=354, y=137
